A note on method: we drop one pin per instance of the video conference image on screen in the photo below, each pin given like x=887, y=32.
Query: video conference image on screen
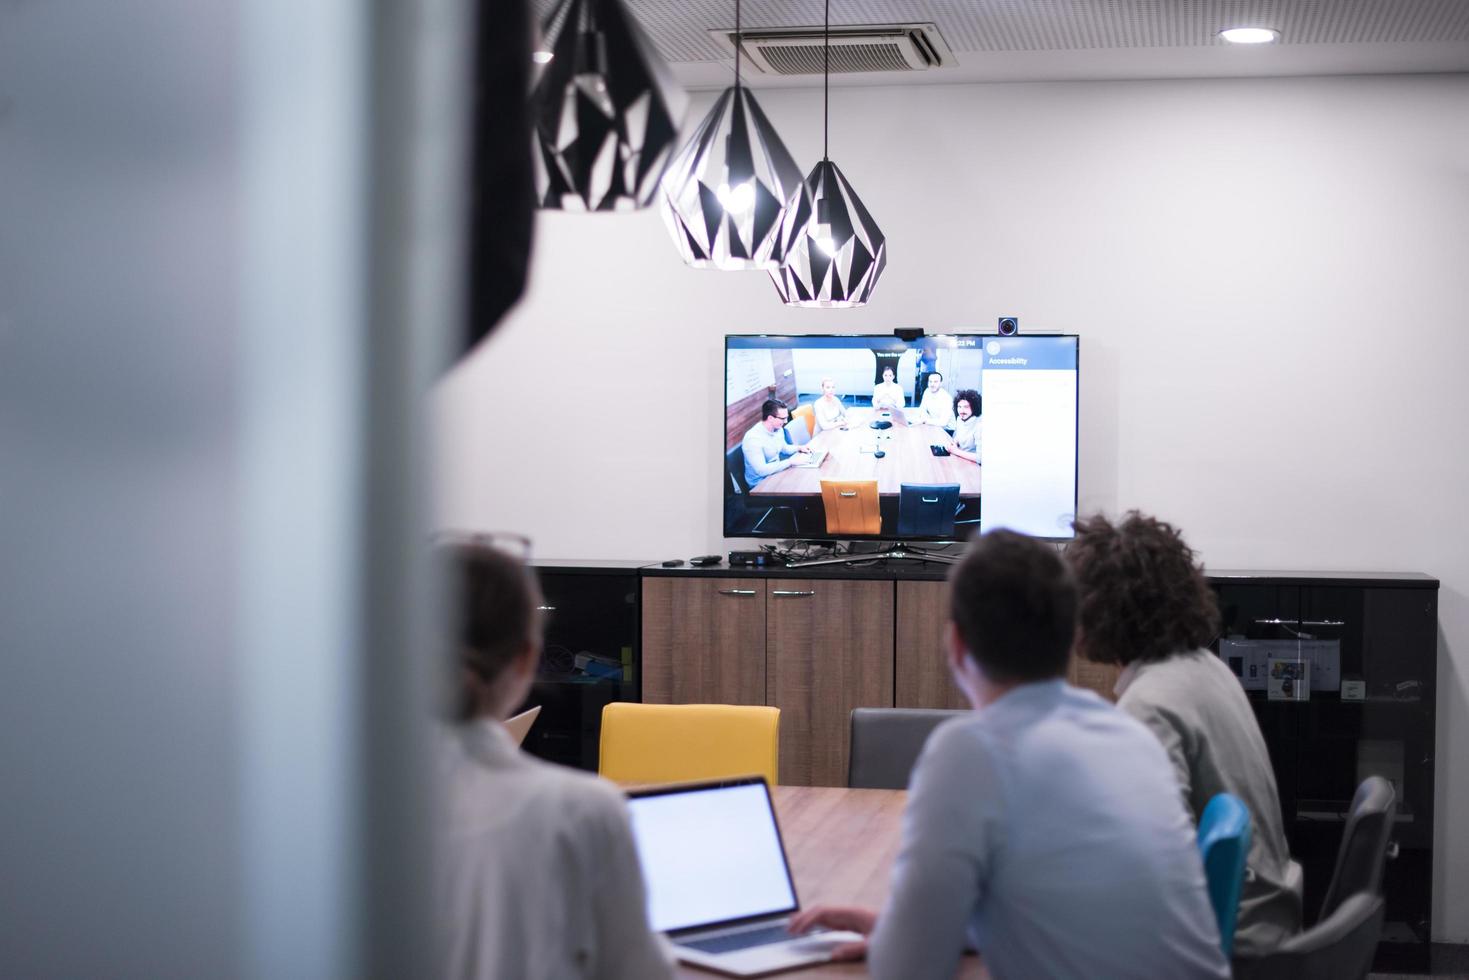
x=873, y=437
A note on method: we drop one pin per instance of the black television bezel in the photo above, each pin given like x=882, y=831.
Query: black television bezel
x=897, y=343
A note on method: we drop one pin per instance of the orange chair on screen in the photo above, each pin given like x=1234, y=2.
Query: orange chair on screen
x=851, y=506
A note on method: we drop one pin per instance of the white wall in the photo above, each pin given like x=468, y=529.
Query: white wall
x=1269, y=277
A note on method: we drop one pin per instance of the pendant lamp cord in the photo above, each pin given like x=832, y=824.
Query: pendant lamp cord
x=738, y=43
x=826, y=86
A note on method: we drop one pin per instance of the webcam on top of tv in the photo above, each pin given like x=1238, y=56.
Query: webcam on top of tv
x=1009, y=326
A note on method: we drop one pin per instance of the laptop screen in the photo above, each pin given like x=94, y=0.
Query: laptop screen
x=710, y=854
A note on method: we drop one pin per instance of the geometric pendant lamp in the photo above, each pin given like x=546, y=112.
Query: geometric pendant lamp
x=606, y=111
x=833, y=251
x=726, y=189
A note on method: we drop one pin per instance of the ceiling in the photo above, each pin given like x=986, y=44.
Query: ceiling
x=1039, y=40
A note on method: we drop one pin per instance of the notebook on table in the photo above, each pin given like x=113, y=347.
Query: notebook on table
x=519, y=725
x=719, y=884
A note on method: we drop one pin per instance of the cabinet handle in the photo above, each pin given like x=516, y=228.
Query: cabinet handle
x=846, y=493
x=546, y=608
x=929, y=500
x=1392, y=850
x=1277, y=622
x=1323, y=622
x=789, y=592
x=737, y=592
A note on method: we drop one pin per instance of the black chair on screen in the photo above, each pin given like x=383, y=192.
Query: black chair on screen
x=926, y=510
x=743, y=503
x=886, y=743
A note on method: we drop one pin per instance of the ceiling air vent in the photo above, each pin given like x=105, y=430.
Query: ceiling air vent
x=888, y=47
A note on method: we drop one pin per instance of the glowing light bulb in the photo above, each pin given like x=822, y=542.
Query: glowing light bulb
x=1250, y=35
x=821, y=238
x=737, y=199
x=541, y=57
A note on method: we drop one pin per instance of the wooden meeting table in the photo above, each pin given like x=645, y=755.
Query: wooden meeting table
x=841, y=844
x=906, y=458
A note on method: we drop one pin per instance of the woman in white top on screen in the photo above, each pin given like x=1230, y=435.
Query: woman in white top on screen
x=887, y=394
x=968, y=428
x=831, y=413
x=938, y=404
x=536, y=874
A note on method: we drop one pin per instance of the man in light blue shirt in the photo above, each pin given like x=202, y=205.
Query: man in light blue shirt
x=1045, y=828
x=764, y=446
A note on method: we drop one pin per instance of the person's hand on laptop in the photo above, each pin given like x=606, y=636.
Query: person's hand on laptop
x=847, y=917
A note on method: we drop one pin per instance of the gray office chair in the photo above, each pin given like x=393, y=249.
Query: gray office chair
x=1339, y=947
x=1364, y=842
x=886, y=743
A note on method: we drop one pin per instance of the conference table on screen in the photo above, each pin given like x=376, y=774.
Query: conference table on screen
x=906, y=457
x=841, y=844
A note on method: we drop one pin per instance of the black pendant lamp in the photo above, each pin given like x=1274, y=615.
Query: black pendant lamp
x=606, y=110
x=727, y=188
x=833, y=251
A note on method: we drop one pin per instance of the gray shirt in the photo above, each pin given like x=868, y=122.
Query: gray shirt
x=765, y=452
x=1201, y=715
x=1047, y=827
x=537, y=877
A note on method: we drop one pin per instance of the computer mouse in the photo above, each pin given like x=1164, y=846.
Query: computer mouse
x=879, y=454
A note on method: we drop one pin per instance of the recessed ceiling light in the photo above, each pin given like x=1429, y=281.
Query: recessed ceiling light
x=541, y=57
x=1250, y=35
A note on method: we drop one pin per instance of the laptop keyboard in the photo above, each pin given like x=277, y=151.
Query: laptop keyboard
x=741, y=940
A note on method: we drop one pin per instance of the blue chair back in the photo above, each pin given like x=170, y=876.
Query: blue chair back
x=926, y=510
x=1224, y=843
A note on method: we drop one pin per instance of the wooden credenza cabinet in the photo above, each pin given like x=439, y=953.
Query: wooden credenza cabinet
x=814, y=647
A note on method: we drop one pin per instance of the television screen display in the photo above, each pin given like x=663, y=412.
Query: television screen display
x=873, y=437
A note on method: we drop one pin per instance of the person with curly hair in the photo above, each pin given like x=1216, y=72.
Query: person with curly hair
x=1146, y=607
x=968, y=431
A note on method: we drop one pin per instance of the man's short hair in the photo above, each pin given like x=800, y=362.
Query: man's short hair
x=967, y=395
x=1014, y=602
x=771, y=406
x=1143, y=597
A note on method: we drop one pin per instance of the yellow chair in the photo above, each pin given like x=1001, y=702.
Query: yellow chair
x=851, y=506
x=807, y=415
x=669, y=743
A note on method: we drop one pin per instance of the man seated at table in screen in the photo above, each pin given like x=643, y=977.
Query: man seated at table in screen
x=764, y=446
x=968, y=428
x=536, y=875
x=1045, y=827
x=831, y=411
x=937, y=404
x=887, y=394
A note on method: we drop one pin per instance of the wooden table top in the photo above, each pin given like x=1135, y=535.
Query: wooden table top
x=841, y=844
x=906, y=459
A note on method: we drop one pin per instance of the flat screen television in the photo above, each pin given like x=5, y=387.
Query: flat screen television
x=878, y=438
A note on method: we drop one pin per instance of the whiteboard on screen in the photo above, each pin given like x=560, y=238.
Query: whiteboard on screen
x=746, y=372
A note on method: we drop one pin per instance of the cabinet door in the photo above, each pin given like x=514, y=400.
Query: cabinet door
x=920, y=664
x=703, y=641
x=829, y=649
x=585, y=613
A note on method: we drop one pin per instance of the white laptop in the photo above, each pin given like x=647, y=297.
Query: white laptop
x=815, y=458
x=718, y=881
